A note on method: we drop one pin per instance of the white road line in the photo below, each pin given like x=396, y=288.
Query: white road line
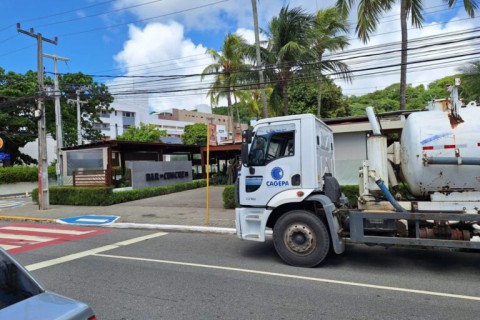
x=8, y=246
x=25, y=237
x=282, y=275
x=52, y=262
x=45, y=230
x=91, y=220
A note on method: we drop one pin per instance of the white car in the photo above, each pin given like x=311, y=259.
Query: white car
x=23, y=298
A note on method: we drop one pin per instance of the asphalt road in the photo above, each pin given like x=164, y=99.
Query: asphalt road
x=202, y=276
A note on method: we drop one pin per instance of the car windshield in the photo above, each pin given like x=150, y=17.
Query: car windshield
x=15, y=284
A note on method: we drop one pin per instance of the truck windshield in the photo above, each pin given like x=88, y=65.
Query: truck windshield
x=270, y=146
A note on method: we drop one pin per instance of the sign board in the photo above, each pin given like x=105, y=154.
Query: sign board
x=159, y=173
x=4, y=156
x=89, y=220
x=212, y=134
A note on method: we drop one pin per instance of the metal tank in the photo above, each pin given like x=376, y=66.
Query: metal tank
x=440, y=151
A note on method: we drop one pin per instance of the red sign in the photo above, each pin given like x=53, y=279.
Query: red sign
x=212, y=134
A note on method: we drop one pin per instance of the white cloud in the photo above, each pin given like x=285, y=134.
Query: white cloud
x=161, y=50
x=167, y=40
x=249, y=35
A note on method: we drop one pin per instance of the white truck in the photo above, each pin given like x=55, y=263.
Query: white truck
x=287, y=184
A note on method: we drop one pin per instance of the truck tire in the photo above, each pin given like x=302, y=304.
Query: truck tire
x=301, y=238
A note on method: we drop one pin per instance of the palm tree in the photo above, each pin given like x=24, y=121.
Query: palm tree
x=226, y=68
x=252, y=99
x=289, y=46
x=369, y=14
x=328, y=25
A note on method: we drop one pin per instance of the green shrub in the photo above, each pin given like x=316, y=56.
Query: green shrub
x=137, y=194
x=22, y=174
x=228, y=197
x=219, y=180
x=77, y=196
x=103, y=196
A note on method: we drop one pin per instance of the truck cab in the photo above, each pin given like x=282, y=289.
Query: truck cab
x=285, y=160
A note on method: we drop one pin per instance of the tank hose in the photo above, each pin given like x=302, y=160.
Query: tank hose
x=387, y=193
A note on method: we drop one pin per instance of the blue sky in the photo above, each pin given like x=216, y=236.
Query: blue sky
x=148, y=37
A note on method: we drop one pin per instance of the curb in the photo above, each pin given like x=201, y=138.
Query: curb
x=128, y=225
x=167, y=227
x=20, y=218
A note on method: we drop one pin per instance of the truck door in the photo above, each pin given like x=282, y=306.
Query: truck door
x=273, y=163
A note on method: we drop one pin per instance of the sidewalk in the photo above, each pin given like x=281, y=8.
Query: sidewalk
x=186, y=208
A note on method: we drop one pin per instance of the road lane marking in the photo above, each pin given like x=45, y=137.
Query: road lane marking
x=46, y=230
x=282, y=275
x=8, y=246
x=25, y=237
x=79, y=255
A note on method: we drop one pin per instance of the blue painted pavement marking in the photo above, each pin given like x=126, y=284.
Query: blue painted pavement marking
x=89, y=220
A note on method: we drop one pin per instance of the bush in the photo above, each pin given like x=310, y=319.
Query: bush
x=77, y=196
x=228, y=197
x=22, y=174
x=219, y=180
x=104, y=196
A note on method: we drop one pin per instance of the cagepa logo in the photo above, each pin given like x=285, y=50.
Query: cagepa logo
x=277, y=175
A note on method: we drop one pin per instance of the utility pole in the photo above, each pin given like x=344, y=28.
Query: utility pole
x=58, y=117
x=79, y=115
x=43, y=195
x=259, y=59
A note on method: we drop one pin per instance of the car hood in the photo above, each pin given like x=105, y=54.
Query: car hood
x=47, y=306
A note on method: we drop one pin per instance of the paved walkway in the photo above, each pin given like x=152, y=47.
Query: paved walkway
x=186, y=208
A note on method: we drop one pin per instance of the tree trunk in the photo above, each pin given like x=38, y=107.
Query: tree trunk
x=319, y=97
x=285, y=97
x=238, y=114
x=319, y=93
x=230, y=114
x=403, y=67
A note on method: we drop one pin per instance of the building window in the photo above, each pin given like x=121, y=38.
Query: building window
x=104, y=114
x=129, y=114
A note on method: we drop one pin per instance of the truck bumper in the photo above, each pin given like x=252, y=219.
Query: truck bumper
x=251, y=223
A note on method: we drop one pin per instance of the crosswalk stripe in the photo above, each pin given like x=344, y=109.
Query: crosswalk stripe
x=8, y=246
x=46, y=230
x=25, y=237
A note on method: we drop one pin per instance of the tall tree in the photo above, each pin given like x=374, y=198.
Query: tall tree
x=226, y=70
x=17, y=104
x=98, y=98
x=329, y=35
x=289, y=47
x=370, y=12
x=17, y=123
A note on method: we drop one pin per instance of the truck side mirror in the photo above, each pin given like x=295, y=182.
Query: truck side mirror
x=247, y=136
x=244, y=154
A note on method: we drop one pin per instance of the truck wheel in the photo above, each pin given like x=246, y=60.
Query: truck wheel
x=301, y=239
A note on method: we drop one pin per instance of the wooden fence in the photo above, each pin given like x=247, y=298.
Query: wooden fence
x=91, y=178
